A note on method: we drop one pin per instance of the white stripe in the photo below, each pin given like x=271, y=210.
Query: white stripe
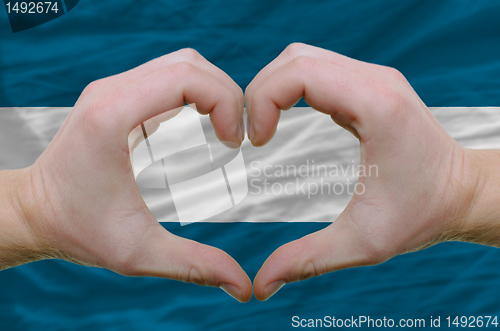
x=303, y=134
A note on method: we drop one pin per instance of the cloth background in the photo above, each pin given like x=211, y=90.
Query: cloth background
x=448, y=51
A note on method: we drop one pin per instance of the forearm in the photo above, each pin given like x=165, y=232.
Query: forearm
x=481, y=223
x=17, y=241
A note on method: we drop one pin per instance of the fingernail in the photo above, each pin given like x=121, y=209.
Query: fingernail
x=273, y=287
x=241, y=130
x=232, y=290
x=250, y=129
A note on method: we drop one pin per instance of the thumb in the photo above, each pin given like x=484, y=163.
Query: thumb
x=335, y=247
x=165, y=255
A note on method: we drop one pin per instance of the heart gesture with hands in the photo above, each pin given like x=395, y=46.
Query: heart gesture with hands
x=80, y=202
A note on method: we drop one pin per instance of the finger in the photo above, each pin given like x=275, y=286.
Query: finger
x=336, y=247
x=165, y=255
x=298, y=49
x=184, y=55
x=121, y=111
x=192, y=56
x=333, y=90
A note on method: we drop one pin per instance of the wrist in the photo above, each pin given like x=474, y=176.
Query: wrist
x=480, y=195
x=19, y=244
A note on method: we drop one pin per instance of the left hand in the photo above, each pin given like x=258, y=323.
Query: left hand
x=80, y=201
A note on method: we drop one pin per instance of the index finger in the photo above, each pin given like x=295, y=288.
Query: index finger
x=184, y=55
x=116, y=114
x=326, y=87
x=298, y=49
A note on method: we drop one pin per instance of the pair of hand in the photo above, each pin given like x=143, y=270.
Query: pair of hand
x=80, y=202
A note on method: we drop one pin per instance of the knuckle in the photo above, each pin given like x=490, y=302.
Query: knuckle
x=193, y=271
x=194, y=276
x=310, y=269
x=93, y=87
x=391, y=101
x=304, y=63
x=181, y=69
x=98, y=115
x=308, y=265
x=394, y=74
x=295, y=49
x=189, y=54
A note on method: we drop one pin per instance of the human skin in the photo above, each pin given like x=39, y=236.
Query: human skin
x=79, y=201
x=428, y=190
